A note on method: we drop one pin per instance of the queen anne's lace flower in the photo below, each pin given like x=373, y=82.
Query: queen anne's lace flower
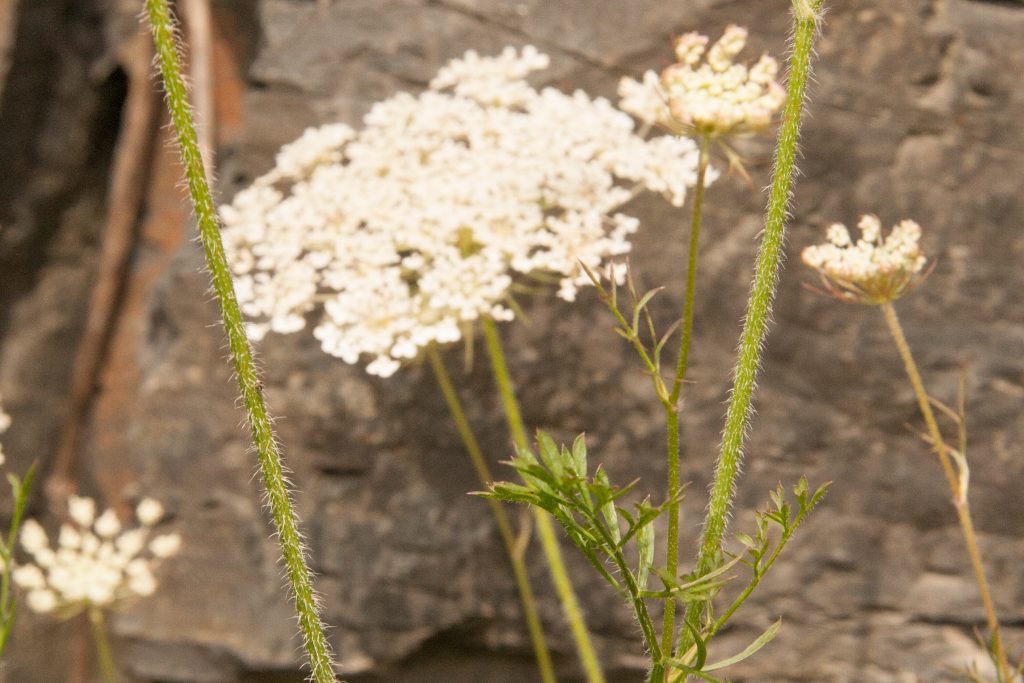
x=713, y=98
x=872, y=270
x=96, y=563
x=416, y=226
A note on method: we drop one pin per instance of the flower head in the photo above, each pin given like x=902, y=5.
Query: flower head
x=402, y=234
x=705, y=93
x=97, y=563
x=872, y=270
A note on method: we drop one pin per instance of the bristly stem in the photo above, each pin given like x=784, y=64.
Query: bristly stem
x=508, y=537
x=278, y=497
x=672, y=405
x=762, y=293
x=545, y=528
x=959, y=494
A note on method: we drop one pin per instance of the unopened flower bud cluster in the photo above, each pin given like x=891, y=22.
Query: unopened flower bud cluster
x=403, y=233
x=706, y=93
x=873, y=269
x=97, y=562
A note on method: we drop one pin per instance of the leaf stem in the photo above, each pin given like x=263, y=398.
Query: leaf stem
x=762, y=294
x=508, y=537
x=959, y=494
x=545, y=528
x=285, y=520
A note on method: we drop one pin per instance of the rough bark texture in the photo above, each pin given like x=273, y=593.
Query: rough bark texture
x=915, y=113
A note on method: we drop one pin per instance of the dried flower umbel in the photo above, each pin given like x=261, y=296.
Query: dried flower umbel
x=97, y=562
x=873, y=269
x=878, y=270
x=706, y=93
x=428, y=218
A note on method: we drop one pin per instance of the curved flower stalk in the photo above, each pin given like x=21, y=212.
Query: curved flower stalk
x=97, y=565
x=20, y=488
x=878, y=270
x=708, y=96
x=403, y=235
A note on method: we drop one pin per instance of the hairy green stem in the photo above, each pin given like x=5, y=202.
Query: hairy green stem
x=672, y=405
x=278, y=497
x=755, y=326
x=508, y=537
x=545, y=527
x=104, y=655
x=959, y=494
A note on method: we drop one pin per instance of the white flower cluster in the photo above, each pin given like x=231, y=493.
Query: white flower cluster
x=5, y=422
x=97, y=562
x=414, y=227
x=874, y=269
x=705, y=93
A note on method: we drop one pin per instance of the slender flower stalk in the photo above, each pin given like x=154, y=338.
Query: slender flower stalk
x=545, y=528
x=285, y=519
x=691, y=270
x=104, y=654
x=672, y=405
x=956, y=488
x=508, y=537
x=769, y=261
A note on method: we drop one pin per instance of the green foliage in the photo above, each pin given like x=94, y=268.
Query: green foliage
x=638, y=328
x=20, y=488
x=557, y=480
x=588, y=509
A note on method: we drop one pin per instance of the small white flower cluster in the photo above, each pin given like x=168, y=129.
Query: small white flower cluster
x=414, y=227
x=874, y=269
x=97, y=562
x=5, y=422
x=714, y=97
